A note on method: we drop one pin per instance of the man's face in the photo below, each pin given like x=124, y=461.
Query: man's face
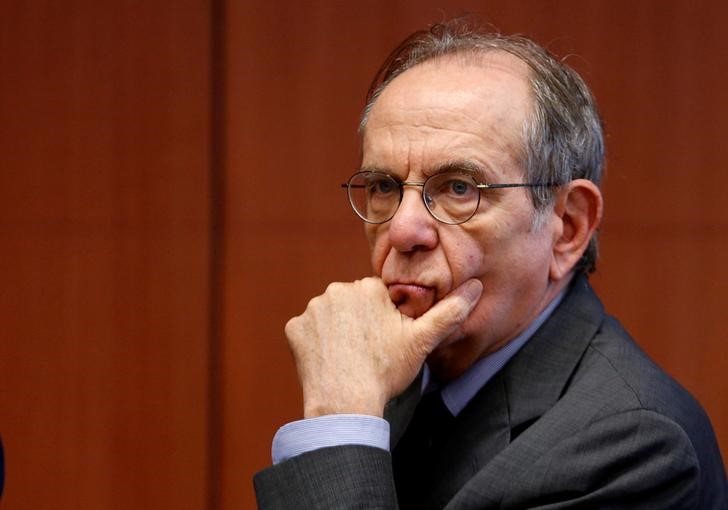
x=446, y=113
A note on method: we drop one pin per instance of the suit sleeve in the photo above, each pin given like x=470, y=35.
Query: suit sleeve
x=342, y=477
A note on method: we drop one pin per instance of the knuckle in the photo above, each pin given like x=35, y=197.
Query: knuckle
x=291, y=324
x=334, y=287
x=371, y=284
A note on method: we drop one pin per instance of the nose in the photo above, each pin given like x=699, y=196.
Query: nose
x=412, y=228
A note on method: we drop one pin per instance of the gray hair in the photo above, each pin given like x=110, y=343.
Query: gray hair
x=562, y=137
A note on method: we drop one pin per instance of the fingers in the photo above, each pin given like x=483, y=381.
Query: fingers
x=348, y=347
x=354, y=350
x=448, y=314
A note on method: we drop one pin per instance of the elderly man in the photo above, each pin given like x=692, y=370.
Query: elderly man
x=502, y=381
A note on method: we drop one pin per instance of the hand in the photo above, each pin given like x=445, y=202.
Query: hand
x=355, y=351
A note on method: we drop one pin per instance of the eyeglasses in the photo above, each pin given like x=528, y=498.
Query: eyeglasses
x=450, y=197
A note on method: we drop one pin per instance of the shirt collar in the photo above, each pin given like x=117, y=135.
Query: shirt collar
x=457, y=393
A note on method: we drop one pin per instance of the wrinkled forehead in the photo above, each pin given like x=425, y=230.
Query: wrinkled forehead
x=490, y=74
x=486, y=95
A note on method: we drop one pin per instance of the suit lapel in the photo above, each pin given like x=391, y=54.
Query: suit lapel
x=532, y=381
x=528, y=386
x=539, y=374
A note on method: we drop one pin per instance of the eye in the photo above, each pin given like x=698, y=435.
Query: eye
x=449, y=186
x=383, y=185
x=459, y=187
x=380, y=185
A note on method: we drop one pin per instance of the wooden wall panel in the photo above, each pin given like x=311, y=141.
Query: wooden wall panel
x=665, y=239
x=104, y=253
x=297, y=75
x=110, y=270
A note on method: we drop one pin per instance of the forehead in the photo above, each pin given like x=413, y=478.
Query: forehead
x=469, y=107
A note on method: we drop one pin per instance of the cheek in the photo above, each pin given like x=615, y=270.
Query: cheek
x=482, y=247
x=378, y=246
x=466, y=257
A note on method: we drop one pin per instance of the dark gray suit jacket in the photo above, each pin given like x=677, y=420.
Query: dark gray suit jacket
x=579, y=418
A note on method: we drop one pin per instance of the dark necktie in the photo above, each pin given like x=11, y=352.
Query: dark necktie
x=416, y=458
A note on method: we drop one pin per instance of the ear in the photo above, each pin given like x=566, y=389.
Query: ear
x=579, y=207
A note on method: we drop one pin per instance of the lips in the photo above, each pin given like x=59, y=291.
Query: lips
x=411, y=299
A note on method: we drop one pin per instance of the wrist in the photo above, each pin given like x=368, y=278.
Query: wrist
x=313, y=408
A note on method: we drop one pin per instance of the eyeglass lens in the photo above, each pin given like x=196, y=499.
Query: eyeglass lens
x=450, y=197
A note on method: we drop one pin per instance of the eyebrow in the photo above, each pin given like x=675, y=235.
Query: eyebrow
x=377, y=169
x=475, y=170
x=464, y=166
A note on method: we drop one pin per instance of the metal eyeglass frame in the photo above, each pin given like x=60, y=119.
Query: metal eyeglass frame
x=401, y=184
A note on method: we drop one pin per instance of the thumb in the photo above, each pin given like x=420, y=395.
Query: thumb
x=449, y=313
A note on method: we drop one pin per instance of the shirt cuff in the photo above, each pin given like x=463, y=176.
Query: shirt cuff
x=311, y=434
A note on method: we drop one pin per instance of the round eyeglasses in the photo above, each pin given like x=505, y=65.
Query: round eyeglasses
x=450, y=197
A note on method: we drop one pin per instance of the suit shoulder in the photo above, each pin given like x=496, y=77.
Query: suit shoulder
x=616, y=378
x=624, y=376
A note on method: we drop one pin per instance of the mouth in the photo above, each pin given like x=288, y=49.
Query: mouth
x=411, y=299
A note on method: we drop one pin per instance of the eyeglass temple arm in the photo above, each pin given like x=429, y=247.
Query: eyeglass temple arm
x=479, y=186
x=518, y=185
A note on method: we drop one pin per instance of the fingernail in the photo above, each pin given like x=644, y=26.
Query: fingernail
x=473, y=289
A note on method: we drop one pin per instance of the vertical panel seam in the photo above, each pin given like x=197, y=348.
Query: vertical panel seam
x=215, y=421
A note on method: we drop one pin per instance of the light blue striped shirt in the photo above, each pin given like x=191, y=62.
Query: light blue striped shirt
x=310, y=434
